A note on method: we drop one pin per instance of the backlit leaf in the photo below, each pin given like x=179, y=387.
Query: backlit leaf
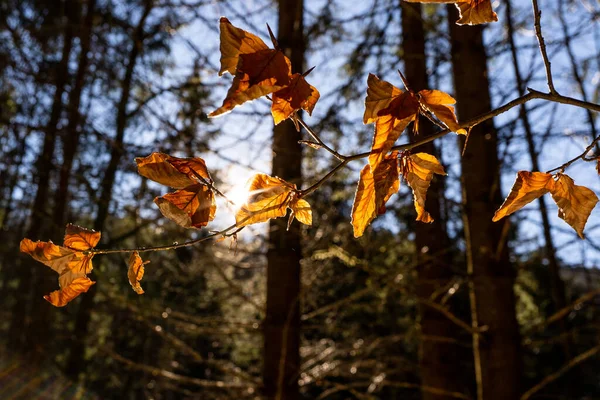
x=387, y=130
x=472, y=12
x=235, y=41
x=527, y=187
x=79, y=238
x=60, y=298
x=379, y=96
x=191, y=207
x=373, y=191
x=135, y=273
x=268, y=198
x=299, y=94
x=439, y=104
x=418, y=170
x=172, y=171
x=575, y=203
x=301, y=211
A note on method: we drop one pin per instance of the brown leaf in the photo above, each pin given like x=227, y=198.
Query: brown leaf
x=472, y=12
x=301, y=211
x=60, y=298
x=299, y=94
x=135, y=273
x=387, y=130
x=439, y=103
x=527, y=187
x=235, y=41
x=379, y=96
x=373, y=191
x=78, y=238
x=575, y=203
x=173, y=171
x=258, y=74
x=269, y=197
x=191, y=207
x=418, y=170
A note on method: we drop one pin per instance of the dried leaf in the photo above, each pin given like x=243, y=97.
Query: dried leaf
x=268, y=198
x=527, y=187
x=575, y=203
x=439, y=103
x=60, y=298
x=173, y=171
x=235, y=41
x=301, y=211
x=373, y=191
x=418, y=170
x=379, y=96
x=135, y=273
x=472, y=12
x=299, y=94
x=387, y=130
x=191, y=207
x=78, y=238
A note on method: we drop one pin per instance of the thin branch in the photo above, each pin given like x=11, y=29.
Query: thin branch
x=538, y=32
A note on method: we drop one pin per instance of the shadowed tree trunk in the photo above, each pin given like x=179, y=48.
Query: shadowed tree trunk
x=32, y=336
x=282, y=321
x=76, y=361
x=497, y=352
x=441, y=363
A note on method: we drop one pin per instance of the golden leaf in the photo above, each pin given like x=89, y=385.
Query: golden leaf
x=472, y=12
x=527, y=187
x=78, y=238
x=439, y=103
x=173, y=171
x=299, y=94
x=379, y=96
x=575, y=203
x=235, y=41
x=418, y=170
x=373, y=191
x=387, y=130
x=268, y=198
x=301, y=211
x=60, y=298
x=191, y=207
x=135, y=273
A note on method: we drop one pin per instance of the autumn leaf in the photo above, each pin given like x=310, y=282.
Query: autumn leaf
x=418, y=170
x=392, y=109
x=270, y=197
x=299, y=94
x=373, y=191
x=135, y=273
x=235, y=41
x=71, y=261
x=575, y=203
x=527, y=187
x=191, y=207
x=472, y=12
x=171, y=171
x=60, y=298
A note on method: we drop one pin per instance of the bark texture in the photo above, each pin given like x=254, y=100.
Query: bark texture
x=497, y=352
x=282, y=321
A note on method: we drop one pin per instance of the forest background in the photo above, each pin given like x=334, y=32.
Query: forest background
x=88, y=85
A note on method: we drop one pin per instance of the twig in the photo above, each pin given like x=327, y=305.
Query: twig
x=317, y=139
x=538, y=32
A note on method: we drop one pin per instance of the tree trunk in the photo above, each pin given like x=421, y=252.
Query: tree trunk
x=497, y=352
x=441, y=363
x=76, y=361
x=31, y=337
x=282, y=321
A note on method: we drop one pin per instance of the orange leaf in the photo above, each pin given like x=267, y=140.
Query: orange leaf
x=575, y=203
x=379, y=96
x=135, y=273
x=172, y=171
x=191, y=207
x=60, y=298
x=418, y=170
x=439, y=103
x=56, y=257
x=527, y=187
x=299, y=94
x=235, y=41
x=301, y=211
x=78, y=238
x=373, y=191
x=387, y=130
x=472, y=12
x=269, y=197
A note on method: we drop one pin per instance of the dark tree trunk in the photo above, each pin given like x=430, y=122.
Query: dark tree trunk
x=282, y=321
x=441, y=363
x=497, y=352
x=34, y=280
x=76, y=361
